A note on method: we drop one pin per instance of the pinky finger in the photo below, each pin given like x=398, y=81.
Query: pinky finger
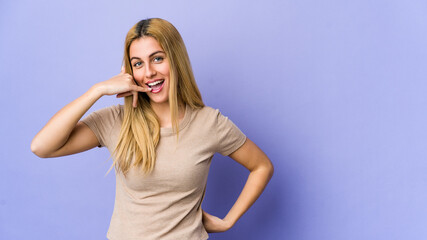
x=135, y=99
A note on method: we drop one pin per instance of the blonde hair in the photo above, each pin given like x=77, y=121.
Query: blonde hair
x=140, y=130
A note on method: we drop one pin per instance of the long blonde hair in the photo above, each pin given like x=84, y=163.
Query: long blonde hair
x=140, y=130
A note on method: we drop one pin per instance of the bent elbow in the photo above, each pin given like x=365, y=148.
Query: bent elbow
x=267, y=169
x=270, y=170
x=37, y=151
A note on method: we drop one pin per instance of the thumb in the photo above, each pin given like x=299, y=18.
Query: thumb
x=123, y=70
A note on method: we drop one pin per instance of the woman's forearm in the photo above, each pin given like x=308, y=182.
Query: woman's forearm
x=253, y=188
x=56, y=132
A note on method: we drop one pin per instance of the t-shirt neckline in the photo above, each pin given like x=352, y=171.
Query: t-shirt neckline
x=166, y=131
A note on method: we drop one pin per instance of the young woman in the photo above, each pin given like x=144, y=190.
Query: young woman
x=162, y=141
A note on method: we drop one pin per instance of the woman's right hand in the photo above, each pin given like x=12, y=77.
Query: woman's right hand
x=63, y=134
x=122, y=85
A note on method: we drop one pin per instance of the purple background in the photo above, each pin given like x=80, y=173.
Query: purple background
x=333, y=91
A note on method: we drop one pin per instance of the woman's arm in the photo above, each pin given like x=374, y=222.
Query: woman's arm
x=261, y=170
x=64, y=135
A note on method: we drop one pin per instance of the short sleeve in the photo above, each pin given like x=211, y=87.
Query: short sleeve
x=229, y=136
x=101, y=122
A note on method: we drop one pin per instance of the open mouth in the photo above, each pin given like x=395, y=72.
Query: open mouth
x=156, y=86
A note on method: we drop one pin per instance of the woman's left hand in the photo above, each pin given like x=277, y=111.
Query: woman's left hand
x=214, y=224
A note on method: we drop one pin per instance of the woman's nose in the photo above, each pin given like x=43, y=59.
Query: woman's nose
x=149, y=71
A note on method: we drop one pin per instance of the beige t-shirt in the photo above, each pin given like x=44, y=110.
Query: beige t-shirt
x=166, y=204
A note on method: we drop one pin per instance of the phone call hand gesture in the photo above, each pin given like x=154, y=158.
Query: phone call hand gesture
x=123, y=85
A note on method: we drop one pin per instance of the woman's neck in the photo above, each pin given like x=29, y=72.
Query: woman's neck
x=163, y=112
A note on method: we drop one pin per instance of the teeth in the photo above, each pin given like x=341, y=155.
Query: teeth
x=154, y=83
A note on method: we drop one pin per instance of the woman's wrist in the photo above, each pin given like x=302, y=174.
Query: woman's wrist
x=96, y=91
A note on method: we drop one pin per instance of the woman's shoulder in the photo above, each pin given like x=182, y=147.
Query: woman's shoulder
x=110, y=112
x=207, y=111
x=117, y=110
x=207, y=115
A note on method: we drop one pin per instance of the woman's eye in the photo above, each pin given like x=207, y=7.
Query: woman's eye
x=137, y=64
x=158, y=59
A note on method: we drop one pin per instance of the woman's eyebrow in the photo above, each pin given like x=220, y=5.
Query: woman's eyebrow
x=154, y=53
x=135, y=58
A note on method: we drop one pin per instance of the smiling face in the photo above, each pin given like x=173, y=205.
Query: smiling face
x=150, y=68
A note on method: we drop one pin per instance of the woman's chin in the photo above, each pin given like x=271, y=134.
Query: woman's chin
x=158, y=100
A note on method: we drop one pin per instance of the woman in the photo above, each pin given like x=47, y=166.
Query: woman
x=162, y=141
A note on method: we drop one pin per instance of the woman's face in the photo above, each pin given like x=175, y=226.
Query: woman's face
x=150, y=68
